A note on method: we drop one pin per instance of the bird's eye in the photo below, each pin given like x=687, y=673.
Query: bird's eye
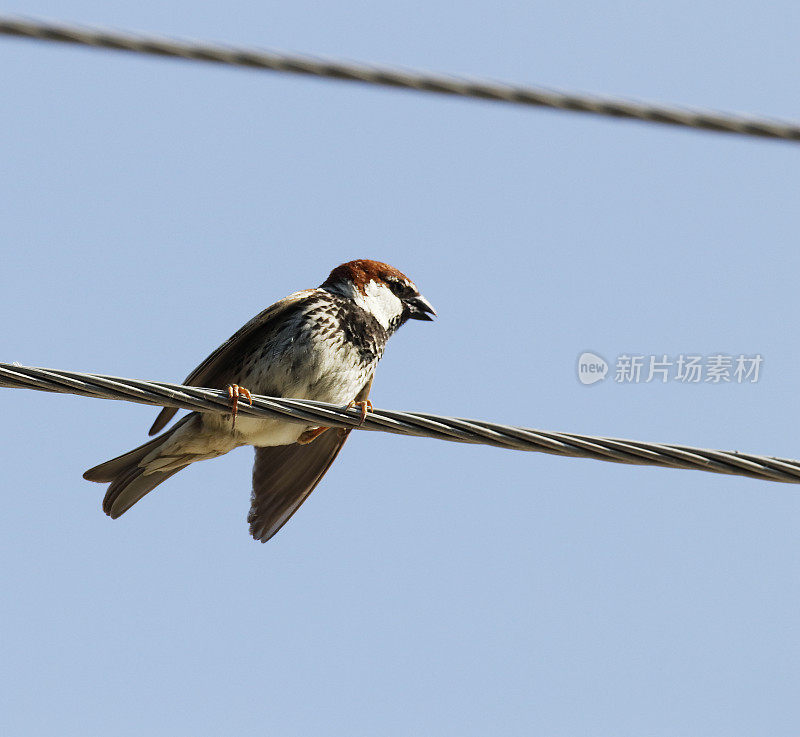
x=399, y=288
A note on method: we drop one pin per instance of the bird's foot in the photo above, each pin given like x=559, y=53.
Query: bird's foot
x=234, y=392
x=310, y=435
x=365, y=406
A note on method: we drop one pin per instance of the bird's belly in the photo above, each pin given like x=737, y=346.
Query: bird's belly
x=303, y=369
x=252, y=430
x=333, y=388
x=311, y=369
x=262, y=433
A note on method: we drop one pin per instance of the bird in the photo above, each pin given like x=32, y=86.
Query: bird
x=321, y=344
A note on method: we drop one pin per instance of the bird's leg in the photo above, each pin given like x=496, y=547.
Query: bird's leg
x=234, y=392
x=365, y=406
x=311, y=435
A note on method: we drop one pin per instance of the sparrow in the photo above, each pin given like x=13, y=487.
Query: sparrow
x=321, y=344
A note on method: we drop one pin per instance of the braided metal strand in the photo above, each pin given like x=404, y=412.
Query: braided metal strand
x=405, y=423
x=408, y=79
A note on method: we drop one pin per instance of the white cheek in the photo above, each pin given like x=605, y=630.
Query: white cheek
x=379, y=300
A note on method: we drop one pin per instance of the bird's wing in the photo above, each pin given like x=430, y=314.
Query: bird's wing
x=215, y=371
x=284, y=476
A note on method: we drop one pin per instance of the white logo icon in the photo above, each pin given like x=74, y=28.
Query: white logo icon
x=591, y=368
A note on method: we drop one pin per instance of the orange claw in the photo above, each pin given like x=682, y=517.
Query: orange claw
x=366, y=406
x=234, y=392
x=311, y=435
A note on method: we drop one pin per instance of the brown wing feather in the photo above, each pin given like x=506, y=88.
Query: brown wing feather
x=284, y=476
x=211, y=372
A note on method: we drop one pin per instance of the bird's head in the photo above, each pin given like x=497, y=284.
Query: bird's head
x=387, y=294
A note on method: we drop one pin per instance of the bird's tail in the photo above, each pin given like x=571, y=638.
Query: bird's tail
x=130, y=480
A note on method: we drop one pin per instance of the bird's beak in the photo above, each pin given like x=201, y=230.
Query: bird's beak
x=419, y=308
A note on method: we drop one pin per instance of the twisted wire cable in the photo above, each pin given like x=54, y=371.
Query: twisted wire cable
x=393, y=77
x=404, y=423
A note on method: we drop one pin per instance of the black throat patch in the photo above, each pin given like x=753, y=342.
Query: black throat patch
x=361, y=329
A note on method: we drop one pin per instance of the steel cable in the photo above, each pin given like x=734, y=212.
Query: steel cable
x=405, y=423
x=408, y=79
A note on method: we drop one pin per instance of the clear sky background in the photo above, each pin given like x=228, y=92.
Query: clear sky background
x=149, y=207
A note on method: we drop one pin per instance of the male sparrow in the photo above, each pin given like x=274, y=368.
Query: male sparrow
x=320, y=344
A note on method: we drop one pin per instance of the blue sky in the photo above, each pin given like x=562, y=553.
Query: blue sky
x=149, y=207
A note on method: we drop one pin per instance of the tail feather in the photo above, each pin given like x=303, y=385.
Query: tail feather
x=110, y=470
x=129, y=483
x=130, y=487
